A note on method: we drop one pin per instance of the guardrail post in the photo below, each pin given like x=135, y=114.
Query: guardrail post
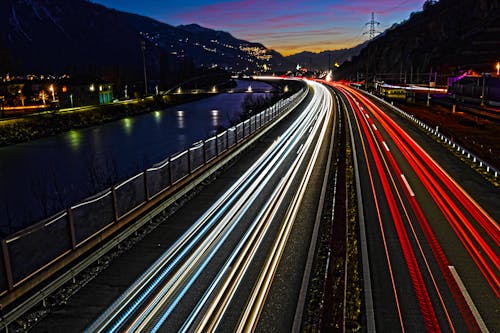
x=204, y=153
x=170, y=170
x=115, y=203
x=71, y=223
x=7, y=265
x=189, y=160
x=146, y=186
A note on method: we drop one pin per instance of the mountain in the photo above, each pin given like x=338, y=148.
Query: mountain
x=446, y=37
x=324, y=59
x=78, y=36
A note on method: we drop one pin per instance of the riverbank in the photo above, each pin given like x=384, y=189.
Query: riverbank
x=18, y=130
x=36, y=126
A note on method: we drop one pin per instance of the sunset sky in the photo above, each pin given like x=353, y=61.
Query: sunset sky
x=287, y=26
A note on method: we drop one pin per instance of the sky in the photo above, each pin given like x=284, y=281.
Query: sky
x=288, y=26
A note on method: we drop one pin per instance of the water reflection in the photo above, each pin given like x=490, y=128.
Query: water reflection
x=127, y=125
x=215, y=119
x=157, y=117
x=75, y=139
x=83, y=162
x=181, y=123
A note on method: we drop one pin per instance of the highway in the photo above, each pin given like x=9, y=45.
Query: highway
x=233, y=258
x=433, y=250
x=231, y=252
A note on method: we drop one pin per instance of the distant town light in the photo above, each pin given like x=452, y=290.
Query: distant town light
x=498, y=68
x=92, y=87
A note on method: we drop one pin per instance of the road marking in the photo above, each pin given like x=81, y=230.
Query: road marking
x=468, y=299
x=385, y=146
x=407, y=185
x=374, y=127
x=300, y=149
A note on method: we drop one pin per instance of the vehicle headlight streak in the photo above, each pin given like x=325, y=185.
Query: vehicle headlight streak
x=231, y=276
x=249, y=319
x=114, y=318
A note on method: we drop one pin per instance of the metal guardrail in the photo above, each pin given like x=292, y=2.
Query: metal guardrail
x=84, y=221
x=440, y=136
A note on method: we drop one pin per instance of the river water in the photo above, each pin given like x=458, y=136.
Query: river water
x=41, y=177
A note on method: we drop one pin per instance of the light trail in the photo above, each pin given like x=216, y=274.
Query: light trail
x=432, y=176
x=380, y=222
x=475, y=244
x=425, y=304
x=411, y=197
x=249, y=319
x=157, y=292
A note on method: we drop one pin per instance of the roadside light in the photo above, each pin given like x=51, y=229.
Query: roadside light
x=51, y=88
x=498, y=68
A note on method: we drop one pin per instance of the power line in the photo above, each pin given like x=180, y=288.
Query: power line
x=372, y=32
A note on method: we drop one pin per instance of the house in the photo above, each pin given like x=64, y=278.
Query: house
x=80, y=91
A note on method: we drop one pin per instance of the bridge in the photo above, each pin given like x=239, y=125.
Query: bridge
x=225, y=235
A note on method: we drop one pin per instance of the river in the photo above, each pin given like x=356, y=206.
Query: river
x=41, y=177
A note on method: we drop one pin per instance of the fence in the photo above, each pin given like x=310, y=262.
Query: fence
x=434, y=131
x=32, y=249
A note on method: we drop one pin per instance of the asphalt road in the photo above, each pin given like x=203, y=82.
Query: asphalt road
x=83, y=309
x=416, y=247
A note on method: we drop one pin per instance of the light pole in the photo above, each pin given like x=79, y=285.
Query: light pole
x=483, y=90
x=143, y=48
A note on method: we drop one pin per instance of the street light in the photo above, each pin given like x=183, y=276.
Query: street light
x=498, y=68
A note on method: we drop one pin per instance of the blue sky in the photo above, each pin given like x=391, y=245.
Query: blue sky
x=288, y=26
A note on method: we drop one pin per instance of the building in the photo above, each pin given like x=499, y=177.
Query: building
x=75, y=92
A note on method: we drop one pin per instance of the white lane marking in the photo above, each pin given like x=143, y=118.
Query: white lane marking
x=300, y=149
x=407, y=185
x=468, y=299
x=385, y=146
x=374, y=127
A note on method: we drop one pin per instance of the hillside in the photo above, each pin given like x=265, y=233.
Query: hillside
x=78, y=36
x=445, y=37
x=323, y=59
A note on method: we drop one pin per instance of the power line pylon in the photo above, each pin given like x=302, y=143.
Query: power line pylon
x=372, y=32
